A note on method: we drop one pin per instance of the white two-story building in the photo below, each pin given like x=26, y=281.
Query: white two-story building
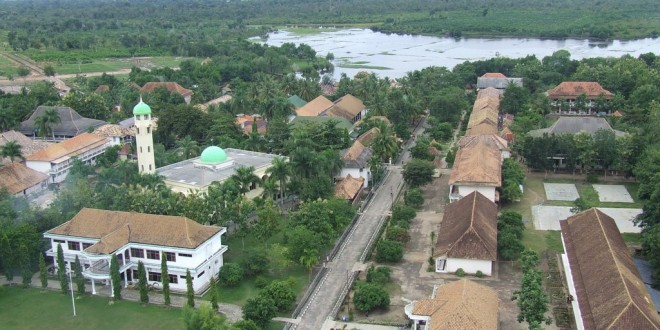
x=95, y=235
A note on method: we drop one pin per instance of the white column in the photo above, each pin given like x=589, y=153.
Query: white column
x=112, y=292
x=125, y=279
x=93, y=287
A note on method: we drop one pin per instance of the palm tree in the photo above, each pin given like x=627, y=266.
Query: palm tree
x=280, y=171
x=303, y=162
x=12, y=150
x=270, y=188
x=308, y=259
x=6, y=120
x=245, y=178
x=52, y=119
x=331, y=162
x=187, y=147
x=384, y=145
x=41, y=124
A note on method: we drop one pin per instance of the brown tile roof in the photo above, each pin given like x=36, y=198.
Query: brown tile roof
x=477, y=165
x=488, y=92
x=356, y=156
x=572, y=89
x=367, y=138
x=115, y=229
x=16, y=177
x=69, y=148
x=172, y=87
x=28, y=146
x=469, y=229
x=481, y=129
x=489, y=102
x=461, y=305
x=610, y=291
x=314, y=107
x=493, y=75
x=245, y=122
x=348, y=106
x=493, y=141
x=111, y=130
x=349, y=187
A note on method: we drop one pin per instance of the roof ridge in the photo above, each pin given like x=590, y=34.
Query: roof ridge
x=188, y=231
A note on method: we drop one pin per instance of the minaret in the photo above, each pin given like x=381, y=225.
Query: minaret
x=144, y=139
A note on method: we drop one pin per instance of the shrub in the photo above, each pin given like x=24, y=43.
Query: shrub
x=460, y=272
x=259, y=309
x=402, y=215
x=389, y=251
x=255, y=263
x=396, y=233
x=369, y=297
x=592, y=178
x=281, y=292
x=479, y=274
x=414, y=198
x=380, y=275
x=261, y=282
x=230, y=274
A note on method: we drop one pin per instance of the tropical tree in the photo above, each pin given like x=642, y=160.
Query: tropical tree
x=214, y=293
x=42, y=126
x=142, y=283
x=190, y=293
x=270, y=188
x=308, y=259
x=61, y=269
x=418, y=172
x=187, y=147
x=259, y=309
x=24, y=263
x=279, y=170
x=384, y=145
x=165, y=278
x=245, y=178
x=12, y=150
x=114, y=278
x=52, y=118
x=43, y=272
x=80, y=280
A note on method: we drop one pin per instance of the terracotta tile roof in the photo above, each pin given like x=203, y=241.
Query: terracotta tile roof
x=125, y=149
x=469, y=229
x=461, y=305
x=315, y=107
x=477, y=165
x=348, y=106
x=481, y=129
x=493, y=75
x=493, y=141
x=610, y=291
x=506, y=134
x=28, y=146
x=572, y=89
x=488, y=92
x=111, y=130
x=115, y=229
x=489, y=102
x=245, y=122
x=172, y=87
x=16, y=177
x=367, y=138
x=349, y=187
x=356, y=156
x=68, y=148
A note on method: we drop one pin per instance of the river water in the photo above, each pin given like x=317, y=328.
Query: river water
x=391, y=55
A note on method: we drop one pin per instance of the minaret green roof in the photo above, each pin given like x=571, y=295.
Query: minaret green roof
x=141, y=109
x=213, y=155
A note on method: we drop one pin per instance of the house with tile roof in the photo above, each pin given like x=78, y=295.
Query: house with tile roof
x=493, y=141
x=498, y=81
x=477, y=167
x=71, y=123
x=349, y=188
x=356, y=162
x=607, y=289
x=245, y=122
x=56, y=159
x=20, y=180
x=116, y=134
x=568, y=91
x=467, y=237
x=349, y=107
x=314, y=107
x=575, y=125
x=458, y=305
x=172, y=87
x=28, y=146
x=95, y=235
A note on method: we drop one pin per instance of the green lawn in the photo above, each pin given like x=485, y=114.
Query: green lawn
x=115, y=64
x=7, y=67
x=33, y=309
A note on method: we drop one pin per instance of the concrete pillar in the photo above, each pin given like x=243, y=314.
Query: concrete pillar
x=93, y=287
x=112, y=292
x=125, y=279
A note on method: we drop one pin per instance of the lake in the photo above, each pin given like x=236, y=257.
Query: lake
x=394, y=55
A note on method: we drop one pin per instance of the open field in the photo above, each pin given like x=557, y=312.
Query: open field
x=7, y=67
x=115, y=64
x=33, y=309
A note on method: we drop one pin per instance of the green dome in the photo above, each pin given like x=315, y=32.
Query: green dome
x=213, y=155
x=141, y=109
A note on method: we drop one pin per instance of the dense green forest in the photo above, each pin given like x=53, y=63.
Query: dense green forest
x=101, y=28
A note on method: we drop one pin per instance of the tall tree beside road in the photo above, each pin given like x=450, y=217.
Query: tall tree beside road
x=418, y=172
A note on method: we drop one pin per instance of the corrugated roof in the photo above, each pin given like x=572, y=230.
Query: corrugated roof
x=575, y=125
x=16, y=177
x=297, y=101
x=116, y=229
x=609, y=288
x=461, y=305
x=69, y=148
x=315, y=107
x=572, y=89
x=72, y=123
x=469, y=229
x=477, y=165
x=172, y=87
x=349, y=187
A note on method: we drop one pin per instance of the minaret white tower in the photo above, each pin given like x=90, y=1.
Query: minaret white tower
x=144, y=138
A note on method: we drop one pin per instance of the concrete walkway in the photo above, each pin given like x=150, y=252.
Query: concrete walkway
x=232, y=312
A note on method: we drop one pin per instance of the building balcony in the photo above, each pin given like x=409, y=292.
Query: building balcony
x=100, y=270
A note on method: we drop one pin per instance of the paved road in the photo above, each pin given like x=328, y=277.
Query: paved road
x=331, y=287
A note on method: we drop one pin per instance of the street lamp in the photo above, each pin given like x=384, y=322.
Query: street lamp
x=73, y=301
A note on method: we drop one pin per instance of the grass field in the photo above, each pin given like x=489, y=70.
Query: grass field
x=33, y=309
x=7, y=67
x=115, y=64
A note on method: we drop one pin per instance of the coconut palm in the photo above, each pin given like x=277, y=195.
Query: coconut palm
x=308, y=259
x=187, y=147
x=332, y=162
x=12, y=150
x=245, y=178
x=270, y=188
x=52, y=119
x=280, y=171
x=384, y=145
x=6, y=120
x=41, y=124
x=304, y=162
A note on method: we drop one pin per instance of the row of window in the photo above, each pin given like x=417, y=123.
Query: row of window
x=155, y=255
x=157, y=277
x=148, y=129
x=73, y=245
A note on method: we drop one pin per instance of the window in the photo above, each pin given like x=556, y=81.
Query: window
x=74, y=246
x=185, y=255
x=140, y=149
x=86, y=245
x=149, y=167
x=154, y=276
x=137, y=253
x=200, y=274
x=440, y=265
x=148, y=148
x=138, y=117
x=151, y=254
x=59, y=241
x=138, y=130
x=170, y=256
x=149, y=130
x=173, y=279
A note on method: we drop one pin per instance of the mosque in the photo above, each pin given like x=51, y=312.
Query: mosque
x=195, y=175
